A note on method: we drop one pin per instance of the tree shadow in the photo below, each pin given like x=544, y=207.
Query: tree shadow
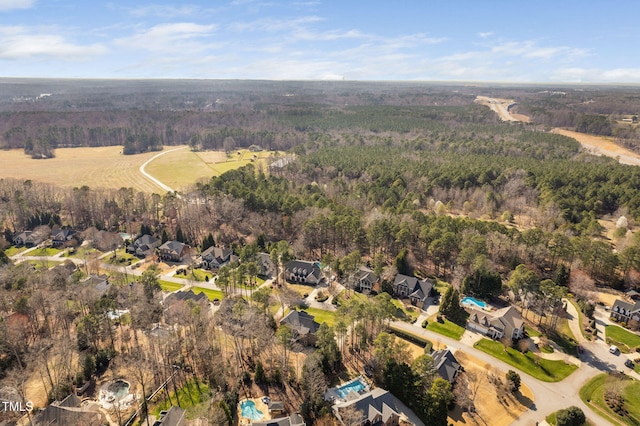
x=524, y=400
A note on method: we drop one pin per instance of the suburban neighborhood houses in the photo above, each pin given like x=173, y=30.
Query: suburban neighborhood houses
x=352, y=403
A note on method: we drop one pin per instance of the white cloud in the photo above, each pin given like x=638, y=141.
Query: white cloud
x=485, y=34
x=165, y=11
x=18, y=42
x=273, y=25
x=16, y=4
x=592, y=75
x=173, y=37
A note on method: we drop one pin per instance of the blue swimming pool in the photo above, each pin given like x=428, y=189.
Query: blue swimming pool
x=250, y=411
x=355, y=386
x=475, y=302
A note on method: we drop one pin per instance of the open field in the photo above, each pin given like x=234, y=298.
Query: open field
x=106, y=167
x=184, y=167
x=102, y=167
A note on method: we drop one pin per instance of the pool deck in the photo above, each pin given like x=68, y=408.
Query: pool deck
x=332, y=394
x=261, y=406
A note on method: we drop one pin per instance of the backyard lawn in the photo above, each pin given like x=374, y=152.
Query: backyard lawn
x=188, y=395
x=447, y=328
x=623, y=339
x=320, y=315
x=542, y=369
x=592, y=393
x=211, y=294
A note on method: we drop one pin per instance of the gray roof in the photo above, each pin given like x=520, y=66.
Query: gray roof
x=418, y=288
x=175, y=416
x=301, y=322
x=446, y=364
x=303, y=268
x=292, y=420
x=184, y=295
x=625, y=308
x=174, y=246
x=378, y=402
x=68, y=412
x=218, y=253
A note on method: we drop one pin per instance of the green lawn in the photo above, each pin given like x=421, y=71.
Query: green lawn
x=122, y=258
x=448, y=328
x=188, y=395
x=82, y=252
x=48, y=251
x=211, y=294
x=542, y=369
x=532, y=332
x=321, y=315
x=199, y=275
x=12, y=251
x=592, y=393
x=624, y=339
x=169, y=286
x=404, y=313
x=43, y=264
x=563, y=337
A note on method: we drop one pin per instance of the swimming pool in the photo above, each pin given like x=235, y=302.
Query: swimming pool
x=472, y=301
x=250, y=411
x=355, y=386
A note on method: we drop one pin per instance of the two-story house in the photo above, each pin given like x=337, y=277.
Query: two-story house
x=418, y=291
x=303, y=272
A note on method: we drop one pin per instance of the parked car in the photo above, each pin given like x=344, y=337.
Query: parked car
x=628, y=363
x=613, y=349
x=580, y=349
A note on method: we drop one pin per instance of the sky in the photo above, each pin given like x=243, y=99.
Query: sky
x=586, y=41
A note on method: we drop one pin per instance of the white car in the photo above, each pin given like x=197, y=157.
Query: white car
x=613, y=349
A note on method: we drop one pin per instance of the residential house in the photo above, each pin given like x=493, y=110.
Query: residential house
x=22, y=238
x=69, y=412
x=174, y=416
x=624, y=311
x=303, y=272
x=497, y=324
x=99, y=282
x=633, y=295
x=377, y=407
x=176, y=303
x=216, y=257
x=174, y=251
x=303, y=325
x=418, y=291
x=446, y=364
x=365, y=279
x=292, y=420
x=266, y=267
x=61, y=236
x=144, y=246
x=32, y=238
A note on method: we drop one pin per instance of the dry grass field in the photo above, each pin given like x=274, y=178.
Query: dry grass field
x=103, y=167
x=182, y=168
x=106, y=167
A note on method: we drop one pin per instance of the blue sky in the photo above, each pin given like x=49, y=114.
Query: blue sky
x=463, y=40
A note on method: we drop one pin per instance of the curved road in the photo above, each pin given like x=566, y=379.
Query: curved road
x=151, y=178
